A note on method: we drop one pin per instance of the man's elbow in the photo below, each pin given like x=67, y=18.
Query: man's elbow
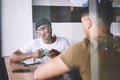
x=36, y=75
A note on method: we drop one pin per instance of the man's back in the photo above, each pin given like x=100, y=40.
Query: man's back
x=108, y=49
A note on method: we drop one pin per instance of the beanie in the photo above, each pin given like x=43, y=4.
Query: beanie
x=42, y=21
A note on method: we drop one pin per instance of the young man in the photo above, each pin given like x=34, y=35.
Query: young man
x=78, y=55
x=36, y=47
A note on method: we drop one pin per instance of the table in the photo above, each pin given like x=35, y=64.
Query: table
x=19, y=75
x=23, y=75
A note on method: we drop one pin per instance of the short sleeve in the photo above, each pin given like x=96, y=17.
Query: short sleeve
x=66, y=43
x=29, y=47
x=77, y=55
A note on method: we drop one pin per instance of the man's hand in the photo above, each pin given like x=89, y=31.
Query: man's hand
x=54, y=53
x=38, y=53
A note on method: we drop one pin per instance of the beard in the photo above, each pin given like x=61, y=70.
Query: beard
x=48, y=36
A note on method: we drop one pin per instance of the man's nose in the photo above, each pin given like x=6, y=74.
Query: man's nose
x=47, y=29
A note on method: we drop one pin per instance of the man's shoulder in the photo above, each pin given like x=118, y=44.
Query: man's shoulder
x=37, y=39
x=82, y=44
x=61, y=38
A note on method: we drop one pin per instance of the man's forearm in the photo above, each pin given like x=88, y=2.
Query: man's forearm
x=18, y=56
x=47, y=70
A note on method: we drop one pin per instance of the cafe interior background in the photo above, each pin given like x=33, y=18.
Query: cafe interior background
x=17, y=21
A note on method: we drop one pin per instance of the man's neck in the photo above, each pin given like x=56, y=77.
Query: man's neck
x=50, y=41
x=99, y=31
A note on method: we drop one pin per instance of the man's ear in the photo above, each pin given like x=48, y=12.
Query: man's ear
x=88, y=22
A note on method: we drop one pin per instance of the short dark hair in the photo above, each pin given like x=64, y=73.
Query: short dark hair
x=84, y=11
x=104, y=10
x=42, y=21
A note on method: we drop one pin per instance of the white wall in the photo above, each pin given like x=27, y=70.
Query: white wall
x=72, y=31
x=16, y=24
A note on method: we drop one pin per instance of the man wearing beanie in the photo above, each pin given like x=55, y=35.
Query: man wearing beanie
x=45, y=47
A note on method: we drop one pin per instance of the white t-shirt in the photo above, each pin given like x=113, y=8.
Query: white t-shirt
x=60, y=45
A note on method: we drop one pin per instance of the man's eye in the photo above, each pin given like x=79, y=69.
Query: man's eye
x=41, y=29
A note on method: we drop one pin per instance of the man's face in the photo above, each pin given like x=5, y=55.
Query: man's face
x=45, y=31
